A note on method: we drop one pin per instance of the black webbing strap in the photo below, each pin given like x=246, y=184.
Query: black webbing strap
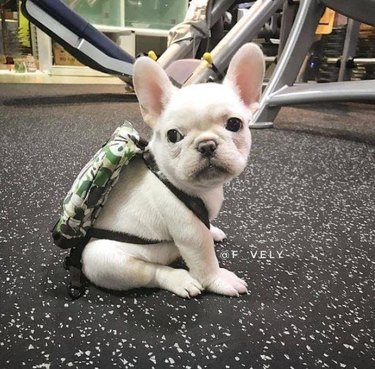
x=119, y=236
x=195, y=204
x=72, y=263
x=77, y=283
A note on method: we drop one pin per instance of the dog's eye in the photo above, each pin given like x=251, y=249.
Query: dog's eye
x=174, y=136
x=233, y=124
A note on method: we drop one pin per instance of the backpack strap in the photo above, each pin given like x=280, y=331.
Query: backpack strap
x=195, y=204
x=120, y=237
x=72, y=263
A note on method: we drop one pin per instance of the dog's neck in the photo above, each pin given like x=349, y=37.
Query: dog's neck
x=212, y=197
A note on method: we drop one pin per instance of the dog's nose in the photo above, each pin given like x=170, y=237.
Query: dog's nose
x=207, y=148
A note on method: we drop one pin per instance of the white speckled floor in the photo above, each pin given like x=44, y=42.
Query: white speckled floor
x=300, y=226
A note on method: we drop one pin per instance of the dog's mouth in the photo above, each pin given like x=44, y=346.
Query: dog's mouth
x=211, y=171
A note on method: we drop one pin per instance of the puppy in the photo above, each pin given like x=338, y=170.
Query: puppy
x=200, y=141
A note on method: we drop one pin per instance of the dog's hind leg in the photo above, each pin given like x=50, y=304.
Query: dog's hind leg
x=110, y=264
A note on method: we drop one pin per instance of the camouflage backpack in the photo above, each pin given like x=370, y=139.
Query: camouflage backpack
x=90, y=189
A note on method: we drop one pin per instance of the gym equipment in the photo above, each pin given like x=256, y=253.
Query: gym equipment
x=94, y=49
x=81, y=39
x=282, y=90
x=295, y=43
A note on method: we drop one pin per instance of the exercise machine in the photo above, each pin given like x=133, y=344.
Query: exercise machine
x=282, y=89
x=295, y=42
x=88, y=45
x=297, y=35
x=92, y=48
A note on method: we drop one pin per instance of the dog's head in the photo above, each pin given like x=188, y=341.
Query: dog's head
x=201, y=136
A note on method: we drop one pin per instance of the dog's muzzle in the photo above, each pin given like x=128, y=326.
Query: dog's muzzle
x=207, y=148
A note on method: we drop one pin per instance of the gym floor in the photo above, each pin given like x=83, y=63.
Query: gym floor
x=300, y=227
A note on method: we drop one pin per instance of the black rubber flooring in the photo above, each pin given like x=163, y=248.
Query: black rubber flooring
x=300, y=226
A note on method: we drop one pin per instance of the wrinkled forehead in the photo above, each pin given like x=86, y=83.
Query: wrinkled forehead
x=204, y=104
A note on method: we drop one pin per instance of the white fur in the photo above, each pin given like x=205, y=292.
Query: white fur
x=141, y=205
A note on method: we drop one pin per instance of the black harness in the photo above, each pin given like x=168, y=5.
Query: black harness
x=73, y=263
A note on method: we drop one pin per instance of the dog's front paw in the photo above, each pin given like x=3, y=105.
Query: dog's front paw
x=183, y=284
x=217, y=234
x=227, y=283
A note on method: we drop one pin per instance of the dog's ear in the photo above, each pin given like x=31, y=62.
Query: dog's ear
x=245, y=74
x=153, y=88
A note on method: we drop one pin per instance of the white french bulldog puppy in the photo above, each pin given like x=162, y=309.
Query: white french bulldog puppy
x=201, y=140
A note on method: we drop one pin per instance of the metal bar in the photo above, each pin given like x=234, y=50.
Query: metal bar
x=362, y=61
x=179, y=50
x=289, y=64
x=323, y=92
x=350, y=46
x=289, y=12
x=185, y=49
x=219, y=7
x=245, y=30
x=270, y=59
